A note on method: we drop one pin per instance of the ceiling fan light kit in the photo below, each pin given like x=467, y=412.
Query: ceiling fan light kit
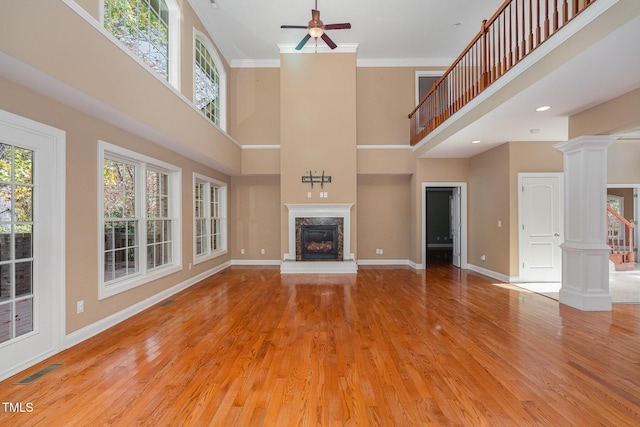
x=316, y=29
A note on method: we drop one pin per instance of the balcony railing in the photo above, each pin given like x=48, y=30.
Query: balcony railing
x=514, y=31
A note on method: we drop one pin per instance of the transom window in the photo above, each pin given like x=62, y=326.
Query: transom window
x=140, y=219
x=207, y=84
x=144, y=27
x=209, y=91
x=210, y=218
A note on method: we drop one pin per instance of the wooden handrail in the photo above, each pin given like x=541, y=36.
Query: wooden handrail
x=619, y=244
x=515, y=30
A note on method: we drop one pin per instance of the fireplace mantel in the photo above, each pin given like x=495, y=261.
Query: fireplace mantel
x=313, y=210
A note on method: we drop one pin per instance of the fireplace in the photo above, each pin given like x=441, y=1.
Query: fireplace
x=327, y=230
x=319, y=239
x=318, y=242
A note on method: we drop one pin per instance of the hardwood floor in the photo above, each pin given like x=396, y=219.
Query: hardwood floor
x=388, y=347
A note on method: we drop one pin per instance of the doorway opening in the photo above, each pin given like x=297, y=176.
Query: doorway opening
x=439, y=226
x=444, y=224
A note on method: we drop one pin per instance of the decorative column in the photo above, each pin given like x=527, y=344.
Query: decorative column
x=585, y=254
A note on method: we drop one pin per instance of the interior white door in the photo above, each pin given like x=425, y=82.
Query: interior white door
x=541, y=227
x=31, y=271
x=456, y=225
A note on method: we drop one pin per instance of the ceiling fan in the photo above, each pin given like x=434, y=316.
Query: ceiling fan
x=315, y=28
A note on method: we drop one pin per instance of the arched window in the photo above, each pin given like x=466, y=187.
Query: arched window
x=149, y=28
x=209, y=94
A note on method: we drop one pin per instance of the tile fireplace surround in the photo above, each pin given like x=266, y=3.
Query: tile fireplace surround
x=346, y=265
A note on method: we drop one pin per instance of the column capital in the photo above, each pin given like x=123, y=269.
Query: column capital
x=585, y=141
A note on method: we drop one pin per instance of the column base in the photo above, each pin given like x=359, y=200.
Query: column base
x=585, y=302
x=585, y=276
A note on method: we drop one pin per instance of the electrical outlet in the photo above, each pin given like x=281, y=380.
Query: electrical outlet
x=483, y=258
x=262, y=251
x=381, y=251
x=241, y=251
x=80, y=307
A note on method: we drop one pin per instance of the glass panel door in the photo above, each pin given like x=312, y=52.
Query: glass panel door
x=16, y=242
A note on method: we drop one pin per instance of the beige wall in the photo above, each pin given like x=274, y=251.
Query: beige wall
x=609, y=118
x=385, y=161
x=318, y=130
x=255, y=217
x=254, y=118
x=261, y=161
x=82, y=135
x=489, y=185
x=383, y=216
x=386, y=95
x=623, y=163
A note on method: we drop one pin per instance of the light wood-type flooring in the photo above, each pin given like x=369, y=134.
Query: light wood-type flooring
x=385, y=347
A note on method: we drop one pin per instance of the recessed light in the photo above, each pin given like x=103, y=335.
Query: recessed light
x=535, y=131
x=475, y=142
x=543, y=108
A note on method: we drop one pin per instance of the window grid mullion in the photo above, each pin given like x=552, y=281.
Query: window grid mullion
x=142, y=215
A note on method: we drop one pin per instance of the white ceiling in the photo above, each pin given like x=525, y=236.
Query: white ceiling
x=432, y=33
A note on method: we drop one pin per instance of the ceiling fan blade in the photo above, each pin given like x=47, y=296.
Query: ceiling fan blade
x=294, y=26
x=303, y=42
x=344, y=26
x=328, y=41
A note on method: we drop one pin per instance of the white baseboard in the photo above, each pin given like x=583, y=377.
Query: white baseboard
x=110, y=321
x=256, y=262
x=498, y=276
x=384, y=262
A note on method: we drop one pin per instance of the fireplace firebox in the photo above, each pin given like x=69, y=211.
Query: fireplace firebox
x=319, y=242
x=319, y=239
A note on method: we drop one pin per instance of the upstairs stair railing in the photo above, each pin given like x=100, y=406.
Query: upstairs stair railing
x=513, y=32
x=620, y=235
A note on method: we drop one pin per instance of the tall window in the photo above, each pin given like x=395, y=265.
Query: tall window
x=207, y=84
x=140, y=219
x=143, y=26
x=210, y=218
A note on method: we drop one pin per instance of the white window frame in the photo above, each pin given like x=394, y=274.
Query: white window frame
x=222, y=74
x=222, y=193
x=174, y=43
x=143, y=276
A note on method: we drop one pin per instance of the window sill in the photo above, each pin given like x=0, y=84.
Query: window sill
x=198, y=259
x=117, y=287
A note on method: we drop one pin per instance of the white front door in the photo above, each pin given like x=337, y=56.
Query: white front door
x=540, y=227
x=31, y=242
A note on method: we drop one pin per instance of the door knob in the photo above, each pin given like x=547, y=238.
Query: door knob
x=556, y=234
